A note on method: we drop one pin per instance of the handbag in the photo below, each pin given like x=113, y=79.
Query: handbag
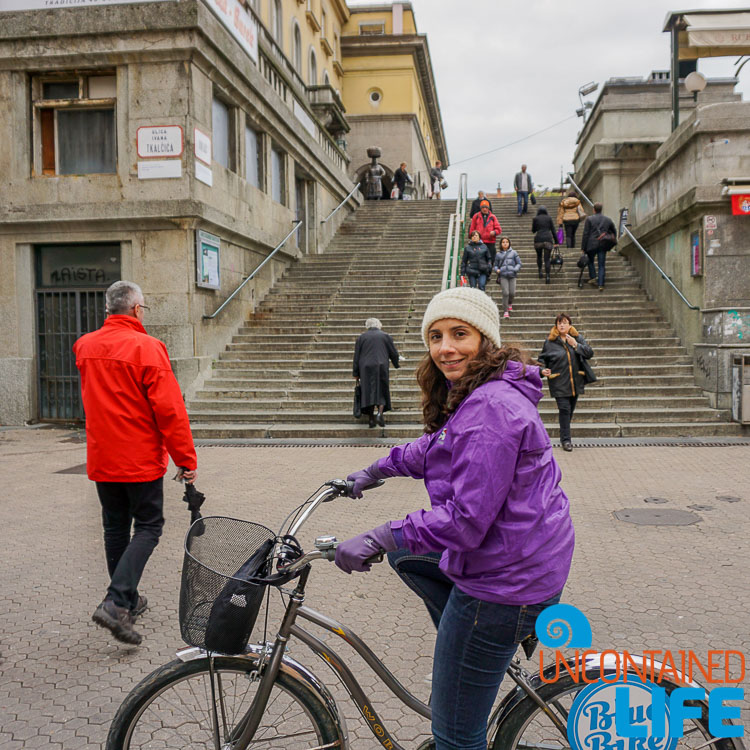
x=532, y=197
x=357, y=410
x=394, y=194
x=588, y=372
x=583, y=261
x=560, y=236
x=606, y=240
x=581, y=212
x=444, y=184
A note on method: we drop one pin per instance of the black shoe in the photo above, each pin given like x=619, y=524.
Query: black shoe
x=118, y=620
x=140, y=607
x=381, y=419
x=546, y=279
x=567, y=446
x=541, y=275
x=372, y=421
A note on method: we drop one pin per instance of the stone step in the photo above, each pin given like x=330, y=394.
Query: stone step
x=411, y=432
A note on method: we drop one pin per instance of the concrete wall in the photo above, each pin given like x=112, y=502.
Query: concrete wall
x=170, y=60
x=679, y=194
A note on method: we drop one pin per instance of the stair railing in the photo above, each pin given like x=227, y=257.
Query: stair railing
x=340, y=206
x=456, y=236
x=278, y=247
x=624, y=229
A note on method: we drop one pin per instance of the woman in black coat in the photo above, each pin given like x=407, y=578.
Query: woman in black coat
x=476, y=263
x=545, y=238
x=371, y=354
x=564, y=355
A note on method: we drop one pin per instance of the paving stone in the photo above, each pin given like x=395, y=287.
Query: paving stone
x=642, y=587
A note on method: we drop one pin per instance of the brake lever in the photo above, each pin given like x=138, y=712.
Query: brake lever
x=378, y=556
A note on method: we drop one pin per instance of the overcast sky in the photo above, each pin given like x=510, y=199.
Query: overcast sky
x=508, y=68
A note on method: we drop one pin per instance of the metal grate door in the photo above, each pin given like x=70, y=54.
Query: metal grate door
x=62, y=317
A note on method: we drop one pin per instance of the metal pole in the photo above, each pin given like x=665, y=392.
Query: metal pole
x=674, y=82
x=335, y=210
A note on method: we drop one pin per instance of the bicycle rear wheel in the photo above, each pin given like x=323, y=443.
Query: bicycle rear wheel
x=527, y=727
x=172, y=708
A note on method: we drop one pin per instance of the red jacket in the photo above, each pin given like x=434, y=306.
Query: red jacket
x=478, y=224
x=135, y=413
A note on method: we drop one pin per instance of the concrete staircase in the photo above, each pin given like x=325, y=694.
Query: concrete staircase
x=646, y=385
x=287, y=372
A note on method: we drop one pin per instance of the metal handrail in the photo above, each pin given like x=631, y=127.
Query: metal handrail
x=278, y=247
x=335, y=210
x=455, y=235
x=643, y=250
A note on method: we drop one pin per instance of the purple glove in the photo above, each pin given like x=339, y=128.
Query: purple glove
x=351, y=554
x=365, y=478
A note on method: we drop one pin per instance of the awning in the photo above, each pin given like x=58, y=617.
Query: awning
x=714, y=33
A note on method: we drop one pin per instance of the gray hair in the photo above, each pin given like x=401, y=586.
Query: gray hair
x=122, y=296
x=373, y=323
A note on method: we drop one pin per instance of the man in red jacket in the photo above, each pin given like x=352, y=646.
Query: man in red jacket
x=135, y=416
x=486, y=223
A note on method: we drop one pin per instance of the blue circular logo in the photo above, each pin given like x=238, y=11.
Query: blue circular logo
x=591, y=722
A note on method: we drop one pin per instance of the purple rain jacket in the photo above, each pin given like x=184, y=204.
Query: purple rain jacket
x=499, y=516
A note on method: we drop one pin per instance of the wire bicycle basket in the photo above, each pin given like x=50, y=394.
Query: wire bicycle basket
x=220, y=595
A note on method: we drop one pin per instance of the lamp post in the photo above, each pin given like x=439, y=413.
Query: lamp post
x=585, y=90
x=695, y=82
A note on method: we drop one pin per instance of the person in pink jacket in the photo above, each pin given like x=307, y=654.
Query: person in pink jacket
x=495, y=548
x=486, y=223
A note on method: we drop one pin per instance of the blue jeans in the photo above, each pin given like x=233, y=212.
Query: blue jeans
x=480, y=281
x=601, y=259
x=476, y=642
x=523, y=201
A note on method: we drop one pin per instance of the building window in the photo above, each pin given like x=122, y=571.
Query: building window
x=368, y=29
x=222, y=117
x=323, y=22
x=76, y=125
x=376, y=96
x=313, y=68
x=254, y=156
x=278, y=175
x=326, y=78
x=276, y=21
x=297, y=48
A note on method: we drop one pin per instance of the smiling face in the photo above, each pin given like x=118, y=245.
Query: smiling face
x=453, y=344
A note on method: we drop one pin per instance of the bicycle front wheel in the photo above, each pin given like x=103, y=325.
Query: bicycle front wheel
x=527, y=727
x=174, y=708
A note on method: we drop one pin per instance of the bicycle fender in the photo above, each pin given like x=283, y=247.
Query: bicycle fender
x=295, y=670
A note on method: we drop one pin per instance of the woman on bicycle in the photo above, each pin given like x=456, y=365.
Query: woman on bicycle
x=495, y=549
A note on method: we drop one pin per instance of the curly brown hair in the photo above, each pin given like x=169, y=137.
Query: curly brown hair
x=439, y=402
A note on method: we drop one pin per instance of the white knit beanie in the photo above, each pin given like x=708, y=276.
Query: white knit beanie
x=472, y=306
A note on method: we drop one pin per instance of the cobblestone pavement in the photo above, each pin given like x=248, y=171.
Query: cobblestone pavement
x=642, y=587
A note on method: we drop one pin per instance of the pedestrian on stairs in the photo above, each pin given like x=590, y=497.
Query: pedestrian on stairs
x=437, y=180
x=401, y=179
x=371, y=354
x=569, y=215
x=476, y=263
x=595, y=229
x=523, y=185
x=476, y=203
x=565, y=354
x=486, y=223
x=494, y=550
x=507, y=265
x=545, y=238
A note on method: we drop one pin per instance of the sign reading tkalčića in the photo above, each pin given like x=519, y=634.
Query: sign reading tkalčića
x=159, y=141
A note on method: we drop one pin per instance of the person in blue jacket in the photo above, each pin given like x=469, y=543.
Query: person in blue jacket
x=507, y=266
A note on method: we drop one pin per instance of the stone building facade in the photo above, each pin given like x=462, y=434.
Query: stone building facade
x=390, y=94
x=682, y=213
x=170, y=143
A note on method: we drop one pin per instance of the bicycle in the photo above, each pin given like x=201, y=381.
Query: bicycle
x=261, y=697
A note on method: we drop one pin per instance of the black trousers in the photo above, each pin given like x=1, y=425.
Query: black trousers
x=570, y=233
x=493, y=252
x=546, y=247
x=566, y=405
x=126, y=504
